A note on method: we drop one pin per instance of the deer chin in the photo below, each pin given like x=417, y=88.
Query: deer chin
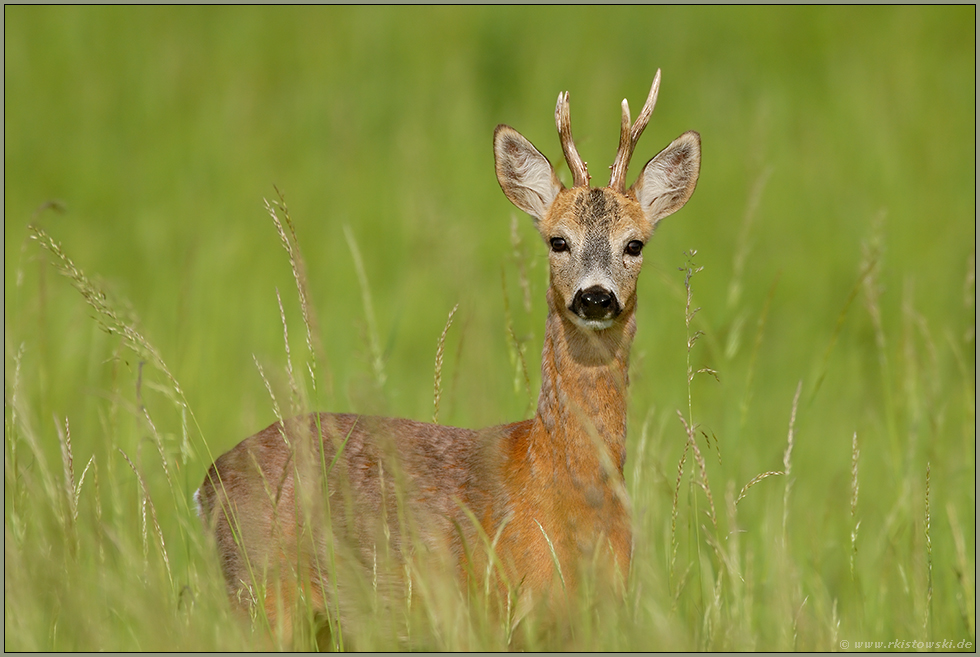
x=593, y=324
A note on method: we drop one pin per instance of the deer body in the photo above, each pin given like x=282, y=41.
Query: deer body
x=515, y=499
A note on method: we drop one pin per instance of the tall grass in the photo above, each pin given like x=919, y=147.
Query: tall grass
x=708, y=570
x=801, y=457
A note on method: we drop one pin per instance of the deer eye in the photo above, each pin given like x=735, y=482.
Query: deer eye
x=558, y=244
x=634, y=247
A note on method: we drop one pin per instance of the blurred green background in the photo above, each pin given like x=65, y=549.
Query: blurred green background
x=833, y=138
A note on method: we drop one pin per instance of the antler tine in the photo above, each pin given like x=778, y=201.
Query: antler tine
x=630, y=135
x=624, y=147
x=580, y=172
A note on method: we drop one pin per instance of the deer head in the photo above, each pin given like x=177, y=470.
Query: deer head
x=596, y=235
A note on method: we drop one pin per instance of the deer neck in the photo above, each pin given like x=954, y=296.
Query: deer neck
x=582, y=406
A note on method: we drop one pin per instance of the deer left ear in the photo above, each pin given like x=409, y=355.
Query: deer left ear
x=524, y=174
x=669, y=179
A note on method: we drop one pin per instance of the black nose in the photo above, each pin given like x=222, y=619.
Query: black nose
x=595, y=303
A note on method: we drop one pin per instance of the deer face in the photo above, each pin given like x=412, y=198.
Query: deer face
x=596, y=235
x=596, y=239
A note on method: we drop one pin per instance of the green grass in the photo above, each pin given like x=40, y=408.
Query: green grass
x=834, y=224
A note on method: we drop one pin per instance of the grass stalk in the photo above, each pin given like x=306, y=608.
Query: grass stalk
x=754, y=355
x=927, y=619
x=290, y=244
x=377, y=359
x=756, y=479
x=295, y=400
x=788, y=461
x=146, y=504
x=518, y=347
x=440, y=349
x=855, y=523
x=965, y=573
x=866, y=271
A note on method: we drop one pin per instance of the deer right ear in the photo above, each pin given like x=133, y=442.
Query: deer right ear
x=669, y=179
x=525, y=175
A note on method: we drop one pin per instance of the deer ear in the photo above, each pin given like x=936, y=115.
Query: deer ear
x=525, y=175
x=669, y=179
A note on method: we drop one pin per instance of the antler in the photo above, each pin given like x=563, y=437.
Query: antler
x=580, y=173
x=628, y=136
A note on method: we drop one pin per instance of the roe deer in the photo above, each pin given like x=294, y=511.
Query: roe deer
x=520, y=508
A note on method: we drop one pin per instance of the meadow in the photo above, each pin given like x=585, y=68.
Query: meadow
x=802, y=449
